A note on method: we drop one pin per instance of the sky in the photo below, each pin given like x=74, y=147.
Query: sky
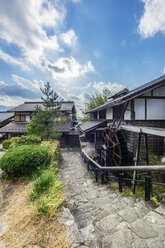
x=79, y=46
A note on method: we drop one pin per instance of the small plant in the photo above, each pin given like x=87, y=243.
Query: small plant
x=47, y=193
x=153, y=199
x=6, y=144
x=155, y=159
x=25, y=160
x=42, y=183
x=51, y=200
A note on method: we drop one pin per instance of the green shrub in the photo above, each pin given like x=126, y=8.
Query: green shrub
x=27, y=140
x=6, y=144
x=42, y=183
x=24, y=160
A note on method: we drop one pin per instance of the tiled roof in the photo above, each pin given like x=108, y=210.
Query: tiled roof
x=132, y=94
x=30, y=106
x=14, y=127
x=5, y=116
x=92, y=124
x=65, y=127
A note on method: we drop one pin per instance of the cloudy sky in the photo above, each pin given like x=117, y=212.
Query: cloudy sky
x=79, y=46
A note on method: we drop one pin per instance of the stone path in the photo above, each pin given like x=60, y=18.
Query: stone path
x=99, y=218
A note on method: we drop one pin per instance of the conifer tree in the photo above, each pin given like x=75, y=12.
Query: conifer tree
x=44, y=122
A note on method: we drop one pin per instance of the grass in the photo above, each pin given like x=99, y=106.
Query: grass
x=40, y=228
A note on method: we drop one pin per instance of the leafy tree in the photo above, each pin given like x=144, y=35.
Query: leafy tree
x=43, y=123
x=96, y=100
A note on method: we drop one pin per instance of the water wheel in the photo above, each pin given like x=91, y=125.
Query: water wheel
x=112, y=143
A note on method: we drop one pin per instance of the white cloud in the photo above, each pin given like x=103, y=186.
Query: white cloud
x=69, y=38
x=10, y=60
x=153, y=19
x=23, y=22
x=112, y=87
x=76, y=1
x=27, y=84
x=66, y=68
x=2, y=83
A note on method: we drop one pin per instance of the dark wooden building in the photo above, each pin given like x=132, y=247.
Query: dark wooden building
x=141, y=107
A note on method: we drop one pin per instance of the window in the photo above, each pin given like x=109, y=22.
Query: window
x=17, y=118
x=23, y=118
x=139, y=109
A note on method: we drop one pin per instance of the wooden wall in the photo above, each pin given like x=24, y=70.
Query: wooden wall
x=155, y=143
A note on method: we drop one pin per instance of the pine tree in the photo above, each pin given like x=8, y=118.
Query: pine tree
x=43, y=123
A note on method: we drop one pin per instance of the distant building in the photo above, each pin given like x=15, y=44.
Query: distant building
x=22, y=114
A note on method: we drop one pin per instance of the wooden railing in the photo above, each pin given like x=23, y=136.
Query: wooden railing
x=102, y=172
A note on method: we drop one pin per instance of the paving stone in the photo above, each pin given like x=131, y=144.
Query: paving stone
x=109, y=223
x=160, y=210
x=155, y=244
x=143, y=230
x=122, y=238
x=88, y=233
x=129, y=214
x=101, y=201
x=154, y=218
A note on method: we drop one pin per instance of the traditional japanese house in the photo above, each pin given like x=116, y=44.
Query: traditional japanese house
x=136, y=112
x=23, y=113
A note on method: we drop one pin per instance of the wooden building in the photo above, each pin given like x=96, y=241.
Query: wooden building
x=23, y=113
x=141, y=107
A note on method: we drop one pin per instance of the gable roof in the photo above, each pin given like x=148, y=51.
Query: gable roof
x=30, y=106
x=89, y=125
x=5, y=116
x=120, y=93
x=132, y=94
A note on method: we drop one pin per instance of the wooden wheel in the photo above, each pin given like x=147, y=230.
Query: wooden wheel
x=113, y=146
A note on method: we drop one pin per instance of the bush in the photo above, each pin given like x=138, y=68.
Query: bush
x=27, y=140
x=6, y=144
x=24, y=160
x=42, y=183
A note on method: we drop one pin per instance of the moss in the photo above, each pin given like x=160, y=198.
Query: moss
x=153, y=199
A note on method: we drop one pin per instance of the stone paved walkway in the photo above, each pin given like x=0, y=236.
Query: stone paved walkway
x=98, y=217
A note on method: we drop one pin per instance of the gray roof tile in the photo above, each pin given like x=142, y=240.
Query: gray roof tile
x=14, y=127
x=30, y=106
x=92, y=124
x=5, y=116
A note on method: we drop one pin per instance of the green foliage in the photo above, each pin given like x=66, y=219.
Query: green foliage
x=42, y=184
x=155, y=159
x=47, y=193
x=51, y=200
x=24, y=160
x=42, y=124
x=50, y=99
x=6, y=144
x=153, y=199
x=27, y=140
x=96, y=100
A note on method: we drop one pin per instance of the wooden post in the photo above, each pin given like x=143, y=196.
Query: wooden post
x=148, y=183
x=136, y=163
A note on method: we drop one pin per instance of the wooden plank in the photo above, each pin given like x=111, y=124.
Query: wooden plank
x=146, y=130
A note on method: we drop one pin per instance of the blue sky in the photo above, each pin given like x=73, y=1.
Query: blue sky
x=79, y=46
